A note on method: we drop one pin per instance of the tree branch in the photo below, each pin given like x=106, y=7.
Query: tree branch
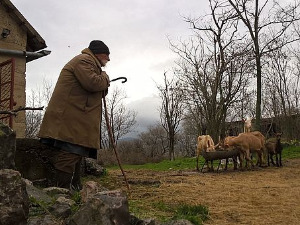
x=15, y=111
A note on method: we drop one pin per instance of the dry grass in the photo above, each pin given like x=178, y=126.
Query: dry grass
x=262, y=196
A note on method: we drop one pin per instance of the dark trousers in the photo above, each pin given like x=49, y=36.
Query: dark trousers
x=66, y=162
x=67, y=167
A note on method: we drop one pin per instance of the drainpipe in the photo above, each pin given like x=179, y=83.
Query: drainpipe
x=30, y=56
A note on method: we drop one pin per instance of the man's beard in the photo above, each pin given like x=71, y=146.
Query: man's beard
x=103, y=62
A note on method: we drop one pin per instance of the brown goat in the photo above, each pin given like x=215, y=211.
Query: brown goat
x=261, y=137
x=263, y=141
x=246, y=143
x=275, y=149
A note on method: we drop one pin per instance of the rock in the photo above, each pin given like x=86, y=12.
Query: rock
x=7, y=147
x=57, y=191
x=179, y=222
x=93, y=168
x=64, y=200
x=38, y=194
x=89, y=189
x=44, y=220
x=136, y=221
x=105, y=208
x=60, y=210
x=14, y=201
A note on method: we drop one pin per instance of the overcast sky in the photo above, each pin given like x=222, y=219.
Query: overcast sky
x=136, y=32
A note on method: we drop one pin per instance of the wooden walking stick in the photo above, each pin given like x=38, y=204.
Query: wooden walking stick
x=110, y=134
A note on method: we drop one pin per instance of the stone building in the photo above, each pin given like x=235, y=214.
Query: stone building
x=20, y=43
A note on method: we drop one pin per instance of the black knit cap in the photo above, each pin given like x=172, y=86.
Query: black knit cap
x=98, y=47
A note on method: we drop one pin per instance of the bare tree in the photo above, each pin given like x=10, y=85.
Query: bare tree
x=155, y=142
x=270, y=27
x=282, y=89
x=171, y=111
x=33, y=118
x=186, y=141
x=37, y=98
x=121, y=119
x=214, y=67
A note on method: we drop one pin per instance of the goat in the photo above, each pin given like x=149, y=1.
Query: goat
x=246, y=143
x=262, y=139
x=247, y=124
x=205, y=143
x=274, y=149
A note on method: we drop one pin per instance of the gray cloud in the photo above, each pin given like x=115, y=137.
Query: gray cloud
x=148, y=113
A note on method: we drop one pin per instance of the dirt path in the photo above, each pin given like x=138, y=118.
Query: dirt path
x=262, y=196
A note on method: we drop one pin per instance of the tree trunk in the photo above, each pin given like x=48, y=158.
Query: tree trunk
x=258, y=95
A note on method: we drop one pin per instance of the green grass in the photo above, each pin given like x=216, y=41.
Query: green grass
x=76, y=197
x=291, y=152
x=195, y=214
x=37, y=207
x=165, y=165
x=165, y=212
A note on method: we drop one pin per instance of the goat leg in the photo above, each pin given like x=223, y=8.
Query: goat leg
x=212, y=166
x=248, y=159
x=272, y=161
x=203, y=165
x=259, y=158
x=234, y=158
x=219, y=165
x=241, y=156
x=277, y=163
x=280, y=162
x=197, y=164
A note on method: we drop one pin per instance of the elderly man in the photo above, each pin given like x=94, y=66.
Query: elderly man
x=72, y=119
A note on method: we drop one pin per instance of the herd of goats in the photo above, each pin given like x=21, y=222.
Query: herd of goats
x=239, y=148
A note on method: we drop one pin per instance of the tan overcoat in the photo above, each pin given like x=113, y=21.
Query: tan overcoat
x=74, y=111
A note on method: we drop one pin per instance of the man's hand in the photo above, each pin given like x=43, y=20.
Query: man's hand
x=104, y=93
x=103, y=73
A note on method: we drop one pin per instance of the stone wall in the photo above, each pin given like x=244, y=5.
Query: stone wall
x=17, y=40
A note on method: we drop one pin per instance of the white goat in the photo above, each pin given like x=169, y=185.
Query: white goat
x=205, y=143
x=247, y=124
